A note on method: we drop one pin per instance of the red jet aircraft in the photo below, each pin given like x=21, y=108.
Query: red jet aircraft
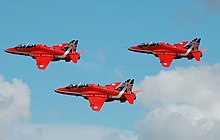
x=167, y=52
x=44, y=54
x=97, y=94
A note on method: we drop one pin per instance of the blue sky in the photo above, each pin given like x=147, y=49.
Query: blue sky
x=105, y=29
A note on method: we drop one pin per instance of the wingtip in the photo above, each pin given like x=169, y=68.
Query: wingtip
x=165, y=64
x=95, y=108
x=41, y=67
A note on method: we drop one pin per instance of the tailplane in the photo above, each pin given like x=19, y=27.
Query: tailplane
x=194, y=45
x=198, y=55
x=130, y=98
x=75, y=57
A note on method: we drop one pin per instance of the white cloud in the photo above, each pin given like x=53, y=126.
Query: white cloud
x=198, y=86
x=100, y=55
x=212, y=4
x=183, y=104
x=14, y=104
x=15, y=120
x=178, y=122
x=69, y=132
x=118, y=73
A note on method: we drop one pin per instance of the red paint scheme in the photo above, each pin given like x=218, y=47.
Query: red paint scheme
x=45, y=54
x=167, y=52
x=97, y=94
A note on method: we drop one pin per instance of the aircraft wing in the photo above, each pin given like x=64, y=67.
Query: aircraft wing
x=96, y=103
x=42, y=61
x=166, y=59
x=113, y=85
x=181, y=44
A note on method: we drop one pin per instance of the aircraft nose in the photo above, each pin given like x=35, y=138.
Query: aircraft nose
x=132, y=48
x=9, y=50
x=58, y=90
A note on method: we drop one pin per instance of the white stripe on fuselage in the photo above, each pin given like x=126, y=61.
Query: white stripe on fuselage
x=121, y=92
x=187, y=52
x=65, y=54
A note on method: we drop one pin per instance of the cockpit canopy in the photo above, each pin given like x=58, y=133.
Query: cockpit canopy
x=151, y=44
x=76, y=85
x=22, y=46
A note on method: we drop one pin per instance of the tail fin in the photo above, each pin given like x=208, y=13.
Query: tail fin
x=73, y=45
x=72, y=48
x=194, y=44
x=75, y=42
x=126, y=86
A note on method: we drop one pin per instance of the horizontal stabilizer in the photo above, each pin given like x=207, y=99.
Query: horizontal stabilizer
x=204, y=49
x=130, y=98
x=137, y=91
x=81, y=52
x=197, y=55
x=74, y=57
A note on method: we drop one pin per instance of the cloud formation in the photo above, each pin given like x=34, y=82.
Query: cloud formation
x=15, y=120
x=69, y=132
x=183, y=104
x=180, y=122
x=14, y=104
x=100, y=55
x=212, y=4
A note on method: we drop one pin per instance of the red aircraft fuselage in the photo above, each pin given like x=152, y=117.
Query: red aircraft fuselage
x=97, y=94
x=167, y=52
x=45, y=54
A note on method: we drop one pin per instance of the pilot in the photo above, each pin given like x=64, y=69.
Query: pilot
x=71, y=86
x=153, y=44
